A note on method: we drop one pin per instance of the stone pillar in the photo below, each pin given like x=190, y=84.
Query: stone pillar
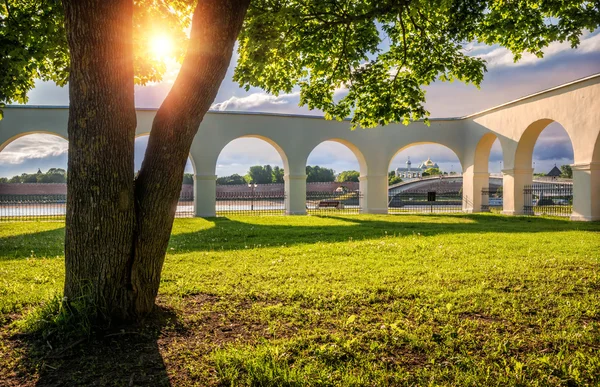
x=514, y=181
x=473, y=184
x=374, y=190
x=295, y=191
x=205, y=191
x=586, y=191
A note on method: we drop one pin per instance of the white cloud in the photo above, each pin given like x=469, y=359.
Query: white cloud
x=502, y=57
x=34, y=146
x=258, y=102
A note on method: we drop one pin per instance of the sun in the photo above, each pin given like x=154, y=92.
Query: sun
x=161, y=47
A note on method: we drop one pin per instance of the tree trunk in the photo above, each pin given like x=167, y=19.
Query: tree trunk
x=100, y=212
x=117, y=235
x=215, y=27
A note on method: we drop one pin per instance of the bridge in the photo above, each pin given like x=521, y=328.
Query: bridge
x=517, y=124
x=453, y=181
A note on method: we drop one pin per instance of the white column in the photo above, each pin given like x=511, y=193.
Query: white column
x=473, y=184
x=586, y=191
x=514, y=181
x=374, y=190
x=205, y=191
x=295, y=191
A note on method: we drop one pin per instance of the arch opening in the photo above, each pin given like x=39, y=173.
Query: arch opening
x=186, y=204
x=487, y=179
x=33, y=177
x=425, y=177
x=250, y=177
x=543, y=160
x=543, y=144
x=333, y=177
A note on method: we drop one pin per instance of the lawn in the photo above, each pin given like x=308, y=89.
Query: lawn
x=364, y=300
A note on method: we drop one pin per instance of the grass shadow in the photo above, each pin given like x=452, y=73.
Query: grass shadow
x=235, y=234
x=47, y=243
x=119, y=356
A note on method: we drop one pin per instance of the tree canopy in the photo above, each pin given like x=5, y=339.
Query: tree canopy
x=365, y=59
x=348, y=176
x=393, y=179
x=566, y=171
x=317, y=174
x=432, y=172
x=53, y=175
x=234, y=179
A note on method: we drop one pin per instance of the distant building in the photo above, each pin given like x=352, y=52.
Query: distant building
x=411, y=172
x=555, y=172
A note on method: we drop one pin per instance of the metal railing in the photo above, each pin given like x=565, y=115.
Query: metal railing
x=32, y=207
x=185, y=206
x=492, y=199
x=333, y=202
x=548, y=199
x=419, y=201
x=250, y=203
x=54, y=207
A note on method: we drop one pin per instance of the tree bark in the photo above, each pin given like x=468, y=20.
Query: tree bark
x=215, y=27
x=100, y=215
x=117, y=231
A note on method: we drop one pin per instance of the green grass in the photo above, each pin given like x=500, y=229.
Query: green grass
x=465, y=300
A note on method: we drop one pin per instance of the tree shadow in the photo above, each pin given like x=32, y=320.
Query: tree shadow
x=235, y=234
x=119, y=356
x=48, y=243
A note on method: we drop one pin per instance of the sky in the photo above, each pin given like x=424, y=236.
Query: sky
x=504, y=81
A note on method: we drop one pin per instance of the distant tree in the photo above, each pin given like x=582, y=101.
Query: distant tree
x=432, y=172
x=259, y=174
x=29, y=178
x=56, y=170
x=499, y=192
x=347, y=176
x=188, y=178
x=278, y=174
x=566, y=171
x=56, y=178
x=317, y=174
x=391, y=174
x=234, y=179
x=3, y=180
x=53, y=175
x=394, y=180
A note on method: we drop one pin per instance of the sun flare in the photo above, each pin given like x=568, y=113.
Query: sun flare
x=161, y=47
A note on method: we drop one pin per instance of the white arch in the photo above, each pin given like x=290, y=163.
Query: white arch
x=269, y=141
x=140, y=135
x=524, y=152
x=411, y=145
x=516, y=124
x=362, y=162
x=23, y=134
